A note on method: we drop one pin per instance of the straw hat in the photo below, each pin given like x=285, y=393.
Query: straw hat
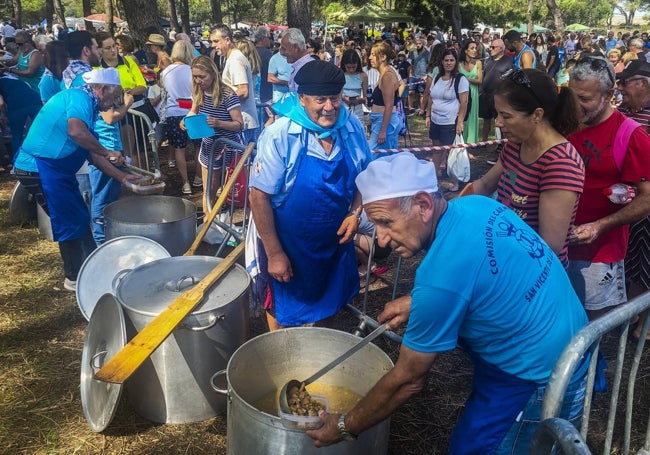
x=156, y=39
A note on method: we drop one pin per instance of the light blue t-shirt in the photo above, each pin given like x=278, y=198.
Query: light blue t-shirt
x=48, y=136
x=491, y=281
x=280, y=144
x=48, y=87
x=108, y=135
x=279, y=66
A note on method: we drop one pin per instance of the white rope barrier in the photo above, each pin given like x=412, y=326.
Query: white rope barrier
x=438, y=148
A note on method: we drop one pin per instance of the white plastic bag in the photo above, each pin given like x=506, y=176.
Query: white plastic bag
x=458, y=161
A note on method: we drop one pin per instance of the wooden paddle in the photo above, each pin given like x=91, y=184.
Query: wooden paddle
x=123, y=364
x=222, y=198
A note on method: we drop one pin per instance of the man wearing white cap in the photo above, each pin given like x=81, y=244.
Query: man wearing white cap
x=469, y=290
x=58, y=142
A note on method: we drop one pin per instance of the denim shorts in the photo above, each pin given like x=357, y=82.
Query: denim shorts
x=520, y=435
x=599, y=285
x=416, y=88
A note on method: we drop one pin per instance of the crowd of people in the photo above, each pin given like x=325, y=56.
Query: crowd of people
x=323, y=177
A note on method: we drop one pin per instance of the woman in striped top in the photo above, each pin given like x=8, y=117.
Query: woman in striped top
x=213, y=98
x=539, y=173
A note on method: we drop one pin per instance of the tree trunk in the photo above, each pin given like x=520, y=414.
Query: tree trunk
x=299, y=16
x=49, y=11
x=173, y=17
x=18, y=12
x=185, y=15
x=456, y=20
x=87, y=11
x=529, y=17
x=269, y=8
x=143, y=18
x=557, y=15
x=59, y=12
x=110, y=26
x=217, y=15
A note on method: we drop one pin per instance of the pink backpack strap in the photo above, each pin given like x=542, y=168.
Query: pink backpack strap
x=622, y=139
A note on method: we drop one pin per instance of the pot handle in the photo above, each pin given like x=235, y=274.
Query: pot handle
x=94, y=365
x=217, y=389
x=212, y=321
x=179, y=283
x=117, y=278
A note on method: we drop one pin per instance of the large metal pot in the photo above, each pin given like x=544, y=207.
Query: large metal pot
x=267, y=362
x=173, y=385
x=170, y=221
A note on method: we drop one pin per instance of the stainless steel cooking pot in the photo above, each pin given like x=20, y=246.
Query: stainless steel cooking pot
x=267, y=362
x=173, y=385
x=170, y=221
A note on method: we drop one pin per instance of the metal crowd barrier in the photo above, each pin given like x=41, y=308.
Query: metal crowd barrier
x=615, y=323
x=141, y=144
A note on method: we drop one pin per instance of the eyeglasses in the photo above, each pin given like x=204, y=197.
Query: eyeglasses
x=19, y=44
x=495, y=47
x=597, y=64
x=521, y=79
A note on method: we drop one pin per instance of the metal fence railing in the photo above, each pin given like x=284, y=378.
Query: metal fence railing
x=625, y=370
x=139, y=141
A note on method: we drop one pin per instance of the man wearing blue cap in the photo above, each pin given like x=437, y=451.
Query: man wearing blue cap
x=57, y=144
x=305, y=203
x=513, y=325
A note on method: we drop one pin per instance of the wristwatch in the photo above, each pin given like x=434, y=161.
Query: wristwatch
x=343, y=431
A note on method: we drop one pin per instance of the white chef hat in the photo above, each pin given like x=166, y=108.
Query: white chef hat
x=104, y=76
x=398, y=175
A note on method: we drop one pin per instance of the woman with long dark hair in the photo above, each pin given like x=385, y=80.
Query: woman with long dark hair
x=539, y=174
x=472, y=68
x=356, y=82
x=56, y=60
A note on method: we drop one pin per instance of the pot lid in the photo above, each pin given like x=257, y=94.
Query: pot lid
x=105, y=336
x=22, y=206
x=152, y=287
x=104, y=267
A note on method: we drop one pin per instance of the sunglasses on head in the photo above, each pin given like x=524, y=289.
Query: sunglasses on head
x=521, y=79
x=597, y=64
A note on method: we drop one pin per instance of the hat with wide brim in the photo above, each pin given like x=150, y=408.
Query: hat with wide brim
x=156, y=39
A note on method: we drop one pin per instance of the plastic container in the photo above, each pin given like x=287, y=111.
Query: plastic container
x=620, y=193
x=294, y=422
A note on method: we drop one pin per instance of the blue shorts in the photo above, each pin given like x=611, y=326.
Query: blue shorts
x=418, y=88
x=599, y=285
x=444, y=134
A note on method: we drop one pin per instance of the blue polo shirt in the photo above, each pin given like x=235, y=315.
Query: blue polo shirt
x=48, y=136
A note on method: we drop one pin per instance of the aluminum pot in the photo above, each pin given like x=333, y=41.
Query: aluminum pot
x=173, y=385
x=170, y=221
x=265, y=363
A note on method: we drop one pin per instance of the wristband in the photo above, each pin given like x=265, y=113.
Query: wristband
x=343, y=431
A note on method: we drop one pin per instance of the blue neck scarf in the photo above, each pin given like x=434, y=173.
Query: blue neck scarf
x=289, y=106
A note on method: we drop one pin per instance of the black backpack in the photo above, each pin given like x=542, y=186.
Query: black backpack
x=457, y=79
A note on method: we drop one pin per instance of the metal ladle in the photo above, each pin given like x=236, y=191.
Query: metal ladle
x=284, y=398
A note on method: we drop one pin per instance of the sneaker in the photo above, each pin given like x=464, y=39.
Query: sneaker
x=70, y=285
x=197, y=182
x=186, y=188
x=171, y=163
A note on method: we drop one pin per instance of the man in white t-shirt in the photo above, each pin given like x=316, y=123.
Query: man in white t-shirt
x=237, y=74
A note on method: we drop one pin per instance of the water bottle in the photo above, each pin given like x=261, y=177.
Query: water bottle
x=620, y=193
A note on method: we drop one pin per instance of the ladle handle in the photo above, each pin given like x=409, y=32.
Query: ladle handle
x=374, y=334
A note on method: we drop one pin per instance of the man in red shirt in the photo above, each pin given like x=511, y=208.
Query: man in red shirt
x=600, y=236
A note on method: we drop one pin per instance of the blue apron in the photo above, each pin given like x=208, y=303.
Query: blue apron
x=496, y=399
x=324, y=272
x=68, y=211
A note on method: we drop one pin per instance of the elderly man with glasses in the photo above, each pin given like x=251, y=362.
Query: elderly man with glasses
x=600, y=236
x=305, y=203
x=493, y=68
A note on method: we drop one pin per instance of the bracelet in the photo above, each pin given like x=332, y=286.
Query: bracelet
x=356, y=213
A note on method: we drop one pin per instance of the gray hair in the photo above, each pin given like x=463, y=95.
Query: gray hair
x=405, y=202
x=636, y=42
x=182, y=52
x=295, y=37
x=584, y=71
x=260, y=34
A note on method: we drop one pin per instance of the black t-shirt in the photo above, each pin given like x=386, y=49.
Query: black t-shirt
x=492, y=71
x=403, y=68
x=556, y=63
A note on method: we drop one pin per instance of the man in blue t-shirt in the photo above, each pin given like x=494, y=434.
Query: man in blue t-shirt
x=488, y=283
